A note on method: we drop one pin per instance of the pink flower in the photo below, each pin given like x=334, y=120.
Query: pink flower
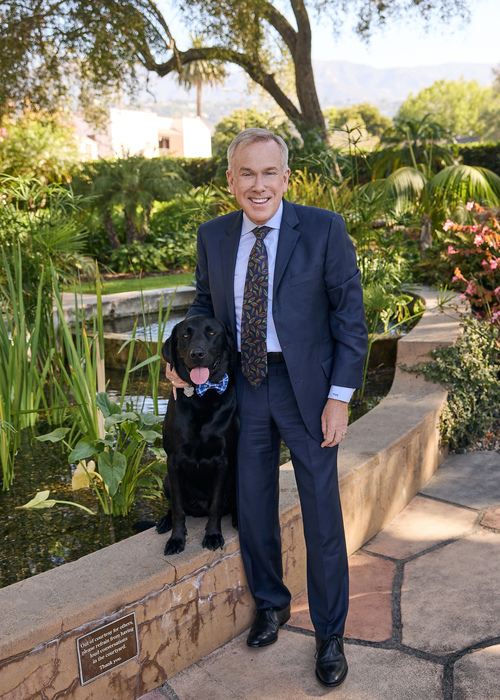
x=451, y=250
x=484, y=263
x=463, y=297
x=469, y=206
x=471, y=289
x=478, y=239
x=449, y=224
x=494, y=263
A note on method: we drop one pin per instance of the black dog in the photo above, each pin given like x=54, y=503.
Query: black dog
x=200, y=431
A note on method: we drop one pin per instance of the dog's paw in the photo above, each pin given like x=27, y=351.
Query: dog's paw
x=164, y=524
x=175, y=545
x=214, y=541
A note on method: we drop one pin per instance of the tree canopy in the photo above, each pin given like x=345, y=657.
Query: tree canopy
x=230, y=126
x=364, y=115
x=56, y=49
x=458, y=106
x=37, y=145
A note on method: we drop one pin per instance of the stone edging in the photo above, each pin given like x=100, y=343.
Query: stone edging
x=190, y=604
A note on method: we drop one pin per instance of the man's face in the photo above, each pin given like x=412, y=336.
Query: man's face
x=257, y=180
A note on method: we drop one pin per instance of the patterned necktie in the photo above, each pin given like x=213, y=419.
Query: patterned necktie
x=254, y=312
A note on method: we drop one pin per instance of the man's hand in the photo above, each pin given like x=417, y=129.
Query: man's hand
x=334, y=422
x=177, y=382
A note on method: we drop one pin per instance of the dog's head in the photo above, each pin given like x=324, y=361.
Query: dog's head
x=200, y=348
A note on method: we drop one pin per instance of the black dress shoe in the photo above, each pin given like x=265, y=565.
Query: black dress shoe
x=264, y=630
x=331, y=664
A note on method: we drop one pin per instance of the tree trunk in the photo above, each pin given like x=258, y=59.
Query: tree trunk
x=426, y=233
x=311, y=115
x=198, y=96
x=131, y=232
x=308, y=118
x=114, y=241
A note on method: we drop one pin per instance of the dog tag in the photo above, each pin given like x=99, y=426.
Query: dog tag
x=189, y=390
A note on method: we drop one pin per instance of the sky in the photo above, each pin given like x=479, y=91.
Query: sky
x=402, y=44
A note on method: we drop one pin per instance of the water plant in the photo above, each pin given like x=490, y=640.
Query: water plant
x=23, y=370
x=118, y=456
x=41, y=500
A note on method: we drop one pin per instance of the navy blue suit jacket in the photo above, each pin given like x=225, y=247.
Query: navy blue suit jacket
x=317, y=299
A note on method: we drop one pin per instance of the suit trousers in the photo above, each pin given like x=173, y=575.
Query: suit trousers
x=266, y=414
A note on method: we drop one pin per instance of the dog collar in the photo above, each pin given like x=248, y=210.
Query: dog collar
x=220, y=387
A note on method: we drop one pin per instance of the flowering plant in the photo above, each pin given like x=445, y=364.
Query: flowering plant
x=475, y=250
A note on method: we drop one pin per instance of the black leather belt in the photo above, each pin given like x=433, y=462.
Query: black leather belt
x=273, y=358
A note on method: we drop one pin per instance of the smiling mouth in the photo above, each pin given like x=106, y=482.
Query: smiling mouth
x=262, y=200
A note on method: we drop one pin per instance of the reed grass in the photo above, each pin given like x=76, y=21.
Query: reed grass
x=22, y=372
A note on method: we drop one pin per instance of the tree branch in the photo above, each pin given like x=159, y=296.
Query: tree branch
x=248, y=63
x=282, y=26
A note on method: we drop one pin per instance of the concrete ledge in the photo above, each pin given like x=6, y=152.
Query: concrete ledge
x=190, y=604
x=128, y=303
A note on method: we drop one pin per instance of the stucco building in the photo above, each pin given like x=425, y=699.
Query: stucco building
x=131, y=132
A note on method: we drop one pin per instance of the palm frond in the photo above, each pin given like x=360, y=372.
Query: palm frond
x=403, y=188
x=467, y=183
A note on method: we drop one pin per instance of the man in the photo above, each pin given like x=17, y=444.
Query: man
x=285, y=278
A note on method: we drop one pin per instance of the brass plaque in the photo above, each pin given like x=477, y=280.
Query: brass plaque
x=107, y=647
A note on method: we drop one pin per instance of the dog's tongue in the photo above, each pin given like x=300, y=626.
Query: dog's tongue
x=199, y=375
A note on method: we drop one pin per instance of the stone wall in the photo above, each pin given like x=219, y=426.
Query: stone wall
x=190, y=604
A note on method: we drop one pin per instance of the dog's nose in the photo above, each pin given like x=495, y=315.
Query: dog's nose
x=197, y=354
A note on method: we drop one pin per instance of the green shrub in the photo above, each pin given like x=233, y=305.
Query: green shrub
x=199, y=171
x=137, y=257
x=484, y=155
x=470, y=370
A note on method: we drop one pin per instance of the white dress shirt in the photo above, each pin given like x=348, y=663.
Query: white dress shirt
x=247, y=241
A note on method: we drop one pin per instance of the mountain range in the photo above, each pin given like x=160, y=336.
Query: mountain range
x=339, y=83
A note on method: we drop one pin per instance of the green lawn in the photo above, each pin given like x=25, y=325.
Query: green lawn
x=135, y=285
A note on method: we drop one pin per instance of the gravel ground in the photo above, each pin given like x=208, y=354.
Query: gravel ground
x=491, y=441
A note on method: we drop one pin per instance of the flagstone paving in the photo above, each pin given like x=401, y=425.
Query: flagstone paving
x=424, y=617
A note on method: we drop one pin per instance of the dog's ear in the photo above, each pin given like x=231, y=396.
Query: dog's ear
x=169, y=349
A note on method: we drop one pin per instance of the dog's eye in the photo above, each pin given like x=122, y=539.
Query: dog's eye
x=211, y=332
x=185, y=335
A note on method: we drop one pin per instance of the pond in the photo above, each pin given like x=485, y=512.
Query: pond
x=124, y=325
x=36, y=541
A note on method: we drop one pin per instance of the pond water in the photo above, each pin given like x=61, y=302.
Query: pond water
x=36, y=541
x=124, y=325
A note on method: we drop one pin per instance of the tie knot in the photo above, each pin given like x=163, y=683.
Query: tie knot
x=261, y=232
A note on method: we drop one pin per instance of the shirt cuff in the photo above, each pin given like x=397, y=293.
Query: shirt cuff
x=341, y=393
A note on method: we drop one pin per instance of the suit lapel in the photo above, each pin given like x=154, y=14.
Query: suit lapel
x=228, y=253
x=288, y=237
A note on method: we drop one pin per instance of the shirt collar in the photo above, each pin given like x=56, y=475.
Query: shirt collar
x=274, y=221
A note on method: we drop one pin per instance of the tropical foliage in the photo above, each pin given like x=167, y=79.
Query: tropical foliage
x=131, y=185
x=202, y=72
x=37, y=145
x=474, y=251
x=41, y=222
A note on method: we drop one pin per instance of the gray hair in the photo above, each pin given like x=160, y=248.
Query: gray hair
x=249, y=136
